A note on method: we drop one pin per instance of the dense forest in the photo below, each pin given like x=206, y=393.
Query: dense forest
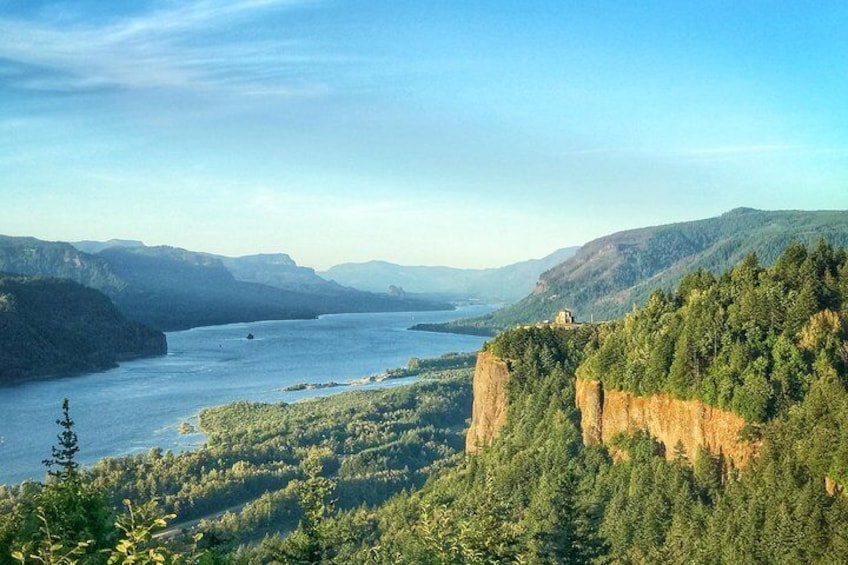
x=55, y=326
x=379, y=478
x=537, y=495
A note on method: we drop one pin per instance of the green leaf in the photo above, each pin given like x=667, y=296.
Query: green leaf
x=123, y=546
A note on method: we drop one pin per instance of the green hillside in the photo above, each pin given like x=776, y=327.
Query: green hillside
x=53, y=326
x=777, y=351
x=744, y=341
x=609, y=275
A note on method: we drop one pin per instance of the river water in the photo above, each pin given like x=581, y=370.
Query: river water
x=140, y=404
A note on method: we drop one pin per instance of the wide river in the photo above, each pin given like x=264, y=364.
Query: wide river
x=140, y=404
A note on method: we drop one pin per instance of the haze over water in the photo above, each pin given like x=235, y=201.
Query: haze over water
x=140, y=404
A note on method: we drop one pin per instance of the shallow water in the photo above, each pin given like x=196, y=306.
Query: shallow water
x=140, y=404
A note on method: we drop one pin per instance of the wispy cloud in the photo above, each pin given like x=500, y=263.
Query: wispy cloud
x=707, y=153
x=742, y=150
x=165, y=49
x=602, y=151
x=732, y=152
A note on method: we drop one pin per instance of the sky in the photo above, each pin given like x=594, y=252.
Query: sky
x=461, y=133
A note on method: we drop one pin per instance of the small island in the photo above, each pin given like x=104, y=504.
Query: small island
x=311, y=386
x=185, y=428
x=415, y=368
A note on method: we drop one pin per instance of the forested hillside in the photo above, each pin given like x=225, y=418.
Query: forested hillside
x=55, y=326
x=746, y=341
x=609, y=275
x=30, y=256
x=770, y=344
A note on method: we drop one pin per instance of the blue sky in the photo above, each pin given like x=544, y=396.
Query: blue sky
x=445, y=132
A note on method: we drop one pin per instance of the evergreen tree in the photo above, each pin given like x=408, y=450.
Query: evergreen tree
x=63, y=455
x=309, y=544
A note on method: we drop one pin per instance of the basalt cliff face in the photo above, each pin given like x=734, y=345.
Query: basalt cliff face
x=607, y=413
x=688, y=423
x=489, y=408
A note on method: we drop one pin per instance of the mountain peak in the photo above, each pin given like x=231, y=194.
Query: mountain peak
x=740, y=211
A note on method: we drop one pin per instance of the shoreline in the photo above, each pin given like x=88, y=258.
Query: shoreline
x=415, y=371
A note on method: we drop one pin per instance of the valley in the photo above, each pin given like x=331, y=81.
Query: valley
x=207, y=367
x=639, y=439
x=297, y=282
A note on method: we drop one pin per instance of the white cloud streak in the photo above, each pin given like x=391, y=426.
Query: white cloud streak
x=707, y=153
x=166, y=49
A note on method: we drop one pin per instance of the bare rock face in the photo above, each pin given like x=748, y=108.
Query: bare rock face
x=690, y=423
x=832, y=487
x=589, y=398
x=489, y=408
x=607, y=413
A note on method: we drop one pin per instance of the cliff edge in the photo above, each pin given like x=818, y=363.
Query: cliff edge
x=489, y=407
x=689, y=423
x=607, y=413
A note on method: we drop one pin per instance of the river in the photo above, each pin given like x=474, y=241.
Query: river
x=140, y=404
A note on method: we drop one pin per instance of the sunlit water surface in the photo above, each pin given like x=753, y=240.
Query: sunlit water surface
x=140, y=404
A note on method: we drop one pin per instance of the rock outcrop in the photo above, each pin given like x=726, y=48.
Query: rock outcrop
x=607, y=413
x=832, y=487
x=689, y=423
x=489, y=408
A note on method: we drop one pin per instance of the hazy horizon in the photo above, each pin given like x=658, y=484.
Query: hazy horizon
x=281, y=251
x=452, y=134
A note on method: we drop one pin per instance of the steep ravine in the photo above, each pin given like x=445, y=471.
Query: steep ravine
x=606, y=413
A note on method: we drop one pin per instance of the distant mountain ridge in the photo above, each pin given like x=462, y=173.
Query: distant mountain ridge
x=57, y=326
x=171, y=288
x=499, y=284
x=280, y=270
x=608, y=275
x=31, y=256
x=89, y=246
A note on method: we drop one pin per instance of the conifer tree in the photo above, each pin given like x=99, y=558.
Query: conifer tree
x=63, y=454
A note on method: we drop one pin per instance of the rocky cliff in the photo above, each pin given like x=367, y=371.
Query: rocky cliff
x=489, y=408
x=689, y=423
x=607, y=413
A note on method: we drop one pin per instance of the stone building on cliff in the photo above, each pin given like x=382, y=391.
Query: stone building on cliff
x=564, y=318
